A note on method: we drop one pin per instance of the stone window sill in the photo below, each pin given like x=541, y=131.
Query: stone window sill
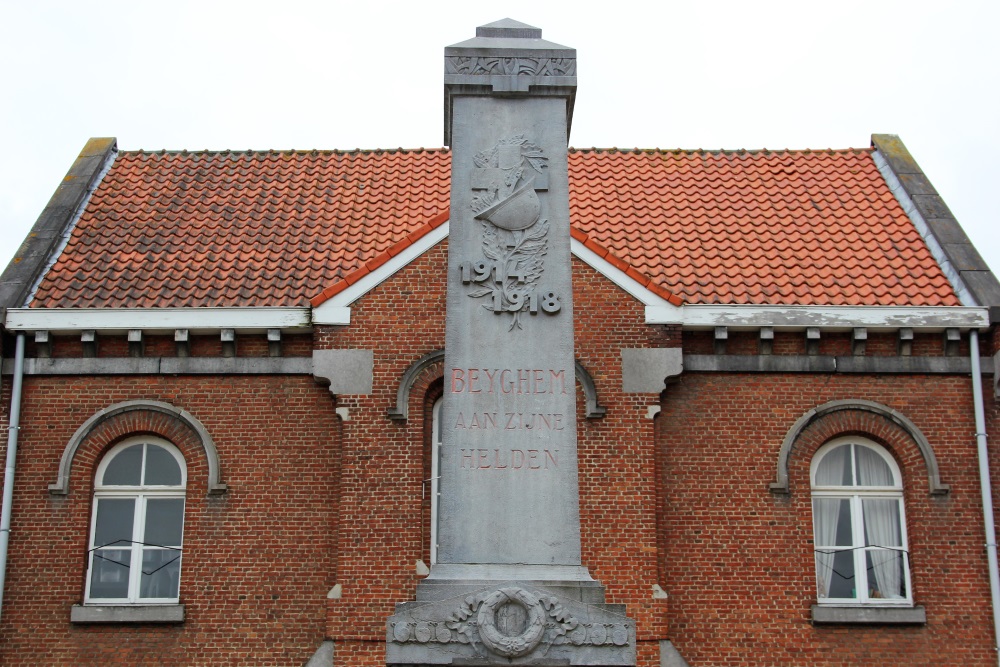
x=104, y=613
x=823, y=614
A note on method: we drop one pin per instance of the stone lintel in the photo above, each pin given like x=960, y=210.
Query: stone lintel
x=645, y=370
x=345, y=371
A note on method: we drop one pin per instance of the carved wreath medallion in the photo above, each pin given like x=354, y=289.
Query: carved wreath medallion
x=511, y=622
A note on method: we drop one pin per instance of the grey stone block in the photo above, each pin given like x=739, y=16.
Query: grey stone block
x=346, y=371
x=670, y=656
x=822, y=614
x=161, y=613
x=965, y=257
x=896, y=154
x=323, y=657
x=931, y=206
x=645, y=370
x=947, y=230
x=984, y=286
x=917, y=184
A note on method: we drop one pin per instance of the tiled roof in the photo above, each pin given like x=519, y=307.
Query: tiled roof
x=281, y=228
x=757, y=227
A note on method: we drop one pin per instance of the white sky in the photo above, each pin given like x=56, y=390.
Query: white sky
x=695, y=74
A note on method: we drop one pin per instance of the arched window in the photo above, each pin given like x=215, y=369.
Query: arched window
x=137, y=528
x=859, y=525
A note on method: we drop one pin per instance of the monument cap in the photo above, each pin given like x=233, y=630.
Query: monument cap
x=508, y=58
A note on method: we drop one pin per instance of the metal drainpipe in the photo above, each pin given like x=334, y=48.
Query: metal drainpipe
x=8, y=476
x=984, y=483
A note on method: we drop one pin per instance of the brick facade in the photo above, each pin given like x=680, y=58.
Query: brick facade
x=678, y=499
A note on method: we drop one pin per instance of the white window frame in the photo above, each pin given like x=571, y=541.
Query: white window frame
x=855, y=494
x=141, y=494
x=435, y=473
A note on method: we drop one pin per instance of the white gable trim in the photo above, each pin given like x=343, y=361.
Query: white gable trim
x=620, y=278
x=336, y=310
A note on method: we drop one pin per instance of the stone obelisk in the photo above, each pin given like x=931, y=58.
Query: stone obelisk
x=508, y=583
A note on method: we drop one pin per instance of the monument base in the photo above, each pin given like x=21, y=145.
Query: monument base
x=521, y=622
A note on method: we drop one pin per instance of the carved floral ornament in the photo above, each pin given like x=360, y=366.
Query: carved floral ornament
x=510, y=622
x=515, y=240
x=515, y=66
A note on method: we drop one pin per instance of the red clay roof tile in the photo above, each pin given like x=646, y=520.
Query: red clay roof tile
x=274, y=228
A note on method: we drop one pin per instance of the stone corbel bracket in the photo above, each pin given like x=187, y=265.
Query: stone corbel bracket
x=344, y=371
x=646, y=370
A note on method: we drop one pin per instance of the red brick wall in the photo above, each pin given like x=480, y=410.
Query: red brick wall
x=738, y=559
x=257, y=560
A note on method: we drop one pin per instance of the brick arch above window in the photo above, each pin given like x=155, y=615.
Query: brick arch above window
x=132, y=417
x=400, y=412
x=856, y=416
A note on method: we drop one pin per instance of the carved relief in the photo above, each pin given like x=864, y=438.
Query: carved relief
x=510, y=66
x=511, y=622
x=515, y=241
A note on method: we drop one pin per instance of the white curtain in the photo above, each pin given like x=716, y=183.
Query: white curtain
x=872, y=468
x=882, y=529
x=826, y=515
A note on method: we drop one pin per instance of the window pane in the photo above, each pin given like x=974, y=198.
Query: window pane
x=845, y=536
x=125, y=467
x=161, y=569
x=841, y=575
x=161, y=467
x=114, y=522
x=835, y=468
x=164, y=520
x=885, y=574
x=882, y=522
x=872, y=468
x=109, y=573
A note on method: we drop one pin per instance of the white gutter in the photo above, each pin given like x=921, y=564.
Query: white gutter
x=985, y=486
x=8, y=477
x=736, y=316
x=157, y=319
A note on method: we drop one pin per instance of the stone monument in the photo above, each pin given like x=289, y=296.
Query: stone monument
x=508, y=585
